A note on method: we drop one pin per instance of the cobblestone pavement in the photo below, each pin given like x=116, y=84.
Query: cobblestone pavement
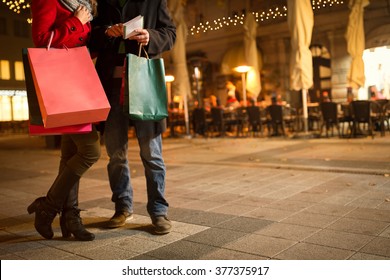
x=230, y=199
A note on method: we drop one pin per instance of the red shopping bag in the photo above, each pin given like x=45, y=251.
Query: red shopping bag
x=71, y=129
x=35, y=123
x=68, y=88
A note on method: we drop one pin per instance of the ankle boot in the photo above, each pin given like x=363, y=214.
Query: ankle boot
x=71, y=223
x=44, y=216
x=46, y=208
x=71, y=202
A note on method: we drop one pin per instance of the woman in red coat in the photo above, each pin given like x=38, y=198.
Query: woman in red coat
x=69, y=21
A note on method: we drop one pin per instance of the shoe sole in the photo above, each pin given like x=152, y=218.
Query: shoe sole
x=162, y=232
x=116, y=225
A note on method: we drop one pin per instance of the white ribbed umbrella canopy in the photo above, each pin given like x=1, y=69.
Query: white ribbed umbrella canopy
x=253, y=83
x=181, y=86
x=300, y=21
x=356, y=42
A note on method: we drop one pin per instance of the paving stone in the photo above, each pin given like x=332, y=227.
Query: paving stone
x=182, y=250
x=306, y=218
x=244, y=224
x=370, y=214
x=305, y=251
x=363, y=256
x=260, y=245
x=207, y=218
x=287, y=231
x=378, y=246
x=216, y=237
x=367, y=227
x=337, y=239
x=225, y=254
x=269, y=214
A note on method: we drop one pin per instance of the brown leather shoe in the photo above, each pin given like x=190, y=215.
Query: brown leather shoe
x=161, y=225
x=119, y=219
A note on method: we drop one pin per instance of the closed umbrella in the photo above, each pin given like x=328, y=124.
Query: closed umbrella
x=251, y=55
x=356, y=42
x=300, y=22
x=178, y=54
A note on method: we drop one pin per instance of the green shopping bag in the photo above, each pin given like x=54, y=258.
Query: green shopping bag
x=145, y=96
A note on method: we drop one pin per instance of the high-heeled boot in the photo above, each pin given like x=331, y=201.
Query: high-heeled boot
x=72, y=224
x=70, y=220
x=44, y=216
x=46, y=208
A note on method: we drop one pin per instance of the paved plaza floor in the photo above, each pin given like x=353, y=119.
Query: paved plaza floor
x=230, y=199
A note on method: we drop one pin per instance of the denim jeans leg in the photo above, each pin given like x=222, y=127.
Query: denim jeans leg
x=116, y=141
x=151, y=156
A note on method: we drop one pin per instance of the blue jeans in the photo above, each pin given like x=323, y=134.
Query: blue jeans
x=116, y=140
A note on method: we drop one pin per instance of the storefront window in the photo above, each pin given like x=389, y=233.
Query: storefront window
x=5, y=73
x=13, y=105
x=19, y=71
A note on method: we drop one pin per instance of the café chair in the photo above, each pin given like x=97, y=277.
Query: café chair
x=329, y=117
x=378, y=114
x=314, y=117
x=346, y=118
x=199, y=122
x=255, y=120
x=240, y=120
x=275, y=122
x=362, y=118
x=175, y=120
x=217, y=124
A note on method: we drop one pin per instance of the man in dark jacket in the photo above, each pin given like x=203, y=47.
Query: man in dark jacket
x=157, y=36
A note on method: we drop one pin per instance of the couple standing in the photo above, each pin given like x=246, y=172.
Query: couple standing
x=99, y=26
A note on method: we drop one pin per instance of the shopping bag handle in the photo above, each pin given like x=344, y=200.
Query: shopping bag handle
x=141, y=47
x=50, y=39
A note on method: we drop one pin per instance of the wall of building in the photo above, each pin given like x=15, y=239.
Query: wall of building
x=15, y=34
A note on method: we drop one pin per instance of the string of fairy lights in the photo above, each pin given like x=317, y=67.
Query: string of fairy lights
x=17, y=5
x=271, y=14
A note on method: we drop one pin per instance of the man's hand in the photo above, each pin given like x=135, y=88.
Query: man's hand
x=141, y=36
x=115, y=30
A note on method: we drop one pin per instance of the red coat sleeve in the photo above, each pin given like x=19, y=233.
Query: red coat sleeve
x=50, y=16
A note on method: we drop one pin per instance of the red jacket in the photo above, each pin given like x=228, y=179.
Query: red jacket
x=51, y=15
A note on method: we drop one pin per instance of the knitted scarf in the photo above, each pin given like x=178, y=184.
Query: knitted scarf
x=72, y=5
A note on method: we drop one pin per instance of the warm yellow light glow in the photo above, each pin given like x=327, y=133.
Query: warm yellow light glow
x=19, y=71
x=242, y=69
x=19, y=108
x=5, y=73
x=5, y=108
x=169, y=78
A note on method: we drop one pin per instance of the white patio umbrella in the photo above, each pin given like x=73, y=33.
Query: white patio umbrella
x=300, y=19
x=178, y=54
x=356, y=42
x=245, y=59
x=253, y=83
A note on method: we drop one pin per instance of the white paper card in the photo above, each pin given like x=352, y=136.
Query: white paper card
x=131, y=25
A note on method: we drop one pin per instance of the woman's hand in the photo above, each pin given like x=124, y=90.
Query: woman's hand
x=141, y=36
x=83, y=14
x=115, y=30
